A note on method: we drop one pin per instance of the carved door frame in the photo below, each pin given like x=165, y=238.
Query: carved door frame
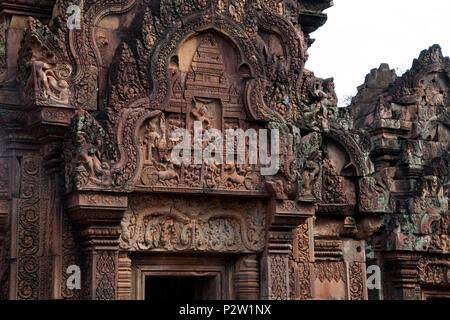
x=435, y=292
x=182, y=265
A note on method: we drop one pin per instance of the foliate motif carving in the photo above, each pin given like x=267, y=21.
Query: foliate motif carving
x=70, y=256
x=302, y=243
x=299, y=264
x=29, y=229
x=279, y=277
x=304, y=280
x=166, y=224
x=105, y=275
x=84, y=50
x=130, y=86
x=434, y=271
x=330, y=271
x=299, y=280
x=356, y=281
x=87, y=89
x=292, y=276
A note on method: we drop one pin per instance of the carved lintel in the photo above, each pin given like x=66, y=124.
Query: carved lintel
x=165, y=224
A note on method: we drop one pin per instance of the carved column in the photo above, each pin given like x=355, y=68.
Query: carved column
x=247, y=278
x=98, y=218
x=284, y=216
x=124, y=284
x=403, y=275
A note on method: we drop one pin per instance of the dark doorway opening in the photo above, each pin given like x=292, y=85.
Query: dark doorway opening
x=180, y=288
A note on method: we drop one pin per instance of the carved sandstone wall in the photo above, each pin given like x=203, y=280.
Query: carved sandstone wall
x=86, y=173
x=408, y=120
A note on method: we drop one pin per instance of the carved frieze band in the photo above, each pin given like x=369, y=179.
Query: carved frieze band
x=162, y=223
x=330, y=271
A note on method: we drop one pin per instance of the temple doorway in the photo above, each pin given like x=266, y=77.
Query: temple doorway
x=159, y=277
x=181, y=288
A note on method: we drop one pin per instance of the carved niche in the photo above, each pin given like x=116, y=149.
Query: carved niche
x=191, y=224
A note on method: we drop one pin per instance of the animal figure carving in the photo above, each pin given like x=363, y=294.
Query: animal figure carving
x=233, y=176
x=168, y=173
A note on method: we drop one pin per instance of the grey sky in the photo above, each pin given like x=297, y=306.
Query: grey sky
x=361, y=34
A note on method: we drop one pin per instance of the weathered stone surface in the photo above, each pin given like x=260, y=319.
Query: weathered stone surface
x=409, y=125
x=87, y=118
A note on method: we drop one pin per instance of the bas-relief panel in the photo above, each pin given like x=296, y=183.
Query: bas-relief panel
x=155, y=223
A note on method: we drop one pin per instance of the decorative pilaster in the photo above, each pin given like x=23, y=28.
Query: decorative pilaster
x=403, y=275
x=29, y=237
x=98, y=218
x=284, y=217
x=247, y=278
x=124, y=285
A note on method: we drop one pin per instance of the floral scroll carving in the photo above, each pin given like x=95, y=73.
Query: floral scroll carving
x=330, y=271
x=279, y=279
x=29, y=230
x=356, y=281
x=105, y=275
